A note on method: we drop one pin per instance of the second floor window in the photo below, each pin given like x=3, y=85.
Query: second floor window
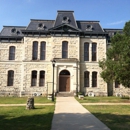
x=35, y=51
x=94, y=51
x=12, y=53
x=86, y=51
x=64, y=49
x=42, y=51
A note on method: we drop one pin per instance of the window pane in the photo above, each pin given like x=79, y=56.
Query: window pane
x=94, y=79
x=10, y=78
x=34, y=78
x=35, y=51
x=94, y=53
x=42, y=78
x=86, y=51
x=65, y=49
x=86, y=79
x=12, y=53
x=42, y=51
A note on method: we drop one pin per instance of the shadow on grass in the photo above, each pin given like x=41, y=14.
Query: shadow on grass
x=114, y=121
x=34, y=122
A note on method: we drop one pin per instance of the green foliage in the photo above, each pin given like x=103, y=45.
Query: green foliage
x=117, y=65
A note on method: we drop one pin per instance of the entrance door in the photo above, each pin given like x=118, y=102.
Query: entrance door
x=64, y=81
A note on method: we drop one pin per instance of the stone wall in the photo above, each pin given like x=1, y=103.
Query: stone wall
x=92, y=66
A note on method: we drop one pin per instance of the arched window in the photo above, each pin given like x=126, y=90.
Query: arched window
x=35, y=50
x=64, y=49
x=94, y=79
x=42, y=78
x=94, y=51
x=34, y=78
x=12, y=53
x=86, y=51
x=86, y=79
x=10, y=78
x=42, y=50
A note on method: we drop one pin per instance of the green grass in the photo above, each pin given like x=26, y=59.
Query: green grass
x=20, y=100
x=104, y=100
x=18, y=118
x=115, y=117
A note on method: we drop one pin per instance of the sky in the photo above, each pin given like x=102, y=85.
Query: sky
x=110, y=13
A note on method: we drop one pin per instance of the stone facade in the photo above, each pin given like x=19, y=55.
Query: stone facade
x=53, y=33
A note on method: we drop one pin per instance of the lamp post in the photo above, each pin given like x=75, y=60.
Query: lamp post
x=53, y=65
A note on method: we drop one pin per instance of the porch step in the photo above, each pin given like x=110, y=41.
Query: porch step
x=64, y=94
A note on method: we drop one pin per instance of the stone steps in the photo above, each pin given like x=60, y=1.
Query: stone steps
x=64, y=94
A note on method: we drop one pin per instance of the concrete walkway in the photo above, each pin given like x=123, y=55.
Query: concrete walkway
x=71, y=115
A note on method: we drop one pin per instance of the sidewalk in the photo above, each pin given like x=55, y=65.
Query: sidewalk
x=71, y=115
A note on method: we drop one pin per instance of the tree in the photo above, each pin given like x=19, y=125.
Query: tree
x=117, y=65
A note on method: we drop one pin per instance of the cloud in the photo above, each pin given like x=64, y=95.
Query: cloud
x=116, y=23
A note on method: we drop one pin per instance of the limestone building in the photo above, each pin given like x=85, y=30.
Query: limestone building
x=76, y=46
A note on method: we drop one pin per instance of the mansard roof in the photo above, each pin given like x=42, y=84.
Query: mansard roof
x=12, y=31
x=65, y=23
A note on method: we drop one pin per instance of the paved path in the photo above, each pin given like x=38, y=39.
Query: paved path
x=71, y=115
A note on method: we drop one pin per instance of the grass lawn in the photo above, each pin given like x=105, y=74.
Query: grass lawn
x=20, y=100
x=18, y=118
x=115, y=117
x=104, y=100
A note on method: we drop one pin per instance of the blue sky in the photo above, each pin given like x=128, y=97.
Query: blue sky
x=110, y=13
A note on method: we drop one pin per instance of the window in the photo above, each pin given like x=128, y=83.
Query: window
x=94, y=79
x=86, y=79
x=42, y=78
x=64, y=49
x=34, y=78
x=42, y=51
x=35, y=51
x=94, y=51
x=117, y=84
x=12, y=53
x=86, y=51
x=10, y=78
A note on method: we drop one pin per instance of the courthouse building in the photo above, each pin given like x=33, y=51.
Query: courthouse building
x=76, y=46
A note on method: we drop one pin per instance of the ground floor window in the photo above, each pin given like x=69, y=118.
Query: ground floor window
x=90, y=79
x=10, y=77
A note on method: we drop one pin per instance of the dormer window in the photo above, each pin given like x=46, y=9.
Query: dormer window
x=41, y=26
x=66, y=19
x=89, y=28
x=13, y=30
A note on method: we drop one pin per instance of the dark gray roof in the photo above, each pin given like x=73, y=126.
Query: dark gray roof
x=92, y=26
x=36, y=24
x=65, y=17
x=12, y=31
